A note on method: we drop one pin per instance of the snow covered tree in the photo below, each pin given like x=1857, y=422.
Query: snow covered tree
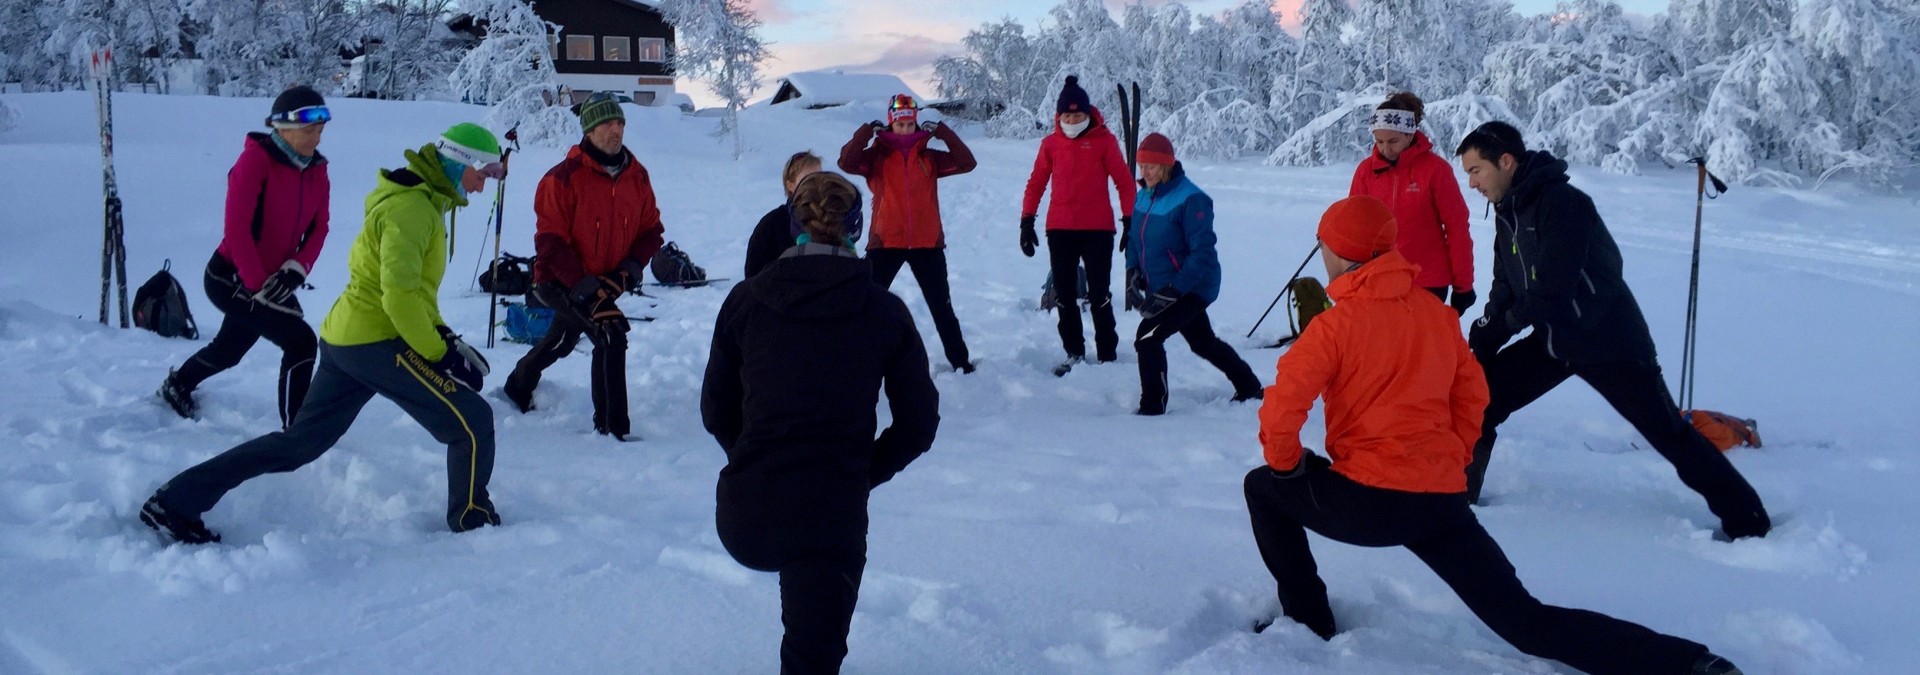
x=410, y=51
x=511, y=71
x=1866, y=62
x=261, y=47
x=719, y=43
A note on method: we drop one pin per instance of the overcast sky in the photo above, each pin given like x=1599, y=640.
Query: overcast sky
x=905, y=36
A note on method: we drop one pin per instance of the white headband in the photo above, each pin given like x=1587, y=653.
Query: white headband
x=1394, y=120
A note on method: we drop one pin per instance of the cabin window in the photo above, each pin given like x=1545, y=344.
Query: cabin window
x=616, y=49
x=579, y=47
x=644, y=98
x=652, y=50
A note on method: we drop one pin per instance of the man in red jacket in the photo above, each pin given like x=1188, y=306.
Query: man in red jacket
x=902, y=173
x=1404, y=397
x=597, y=226
x=1079, y=158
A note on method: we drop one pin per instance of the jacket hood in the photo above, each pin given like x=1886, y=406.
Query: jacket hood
x=813, y=286
x=1096, y=123
x=1388, y=276
x=260, y=138
x=422, y=174
x=1539, y=170
x=1421, y=146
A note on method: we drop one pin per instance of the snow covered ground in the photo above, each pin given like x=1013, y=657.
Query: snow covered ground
x=1049, y=531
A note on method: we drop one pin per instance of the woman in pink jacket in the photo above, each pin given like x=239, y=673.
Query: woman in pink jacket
x=276, y=222
x=1425, y=197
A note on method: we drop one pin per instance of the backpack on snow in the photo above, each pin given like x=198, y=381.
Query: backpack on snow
x=1725, y=431
x=672, y=266
x=1049, y=299
x=1309, y=299
x=509, y=275
x=161, y=306
x=527, y=324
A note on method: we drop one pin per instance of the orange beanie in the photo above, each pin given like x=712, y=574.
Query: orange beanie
x=1358, y=228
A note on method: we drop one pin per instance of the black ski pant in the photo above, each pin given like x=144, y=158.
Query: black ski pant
x=930, y=269
x=1442, y=531
x=245, y=323
x=348, y=378
x=1524, y=371
x=609, y=367
x=1067, y=250
x=820, y=572
x=1187, y=317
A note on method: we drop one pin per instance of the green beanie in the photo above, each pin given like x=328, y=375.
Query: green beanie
x=599, y=109
x=469, y=144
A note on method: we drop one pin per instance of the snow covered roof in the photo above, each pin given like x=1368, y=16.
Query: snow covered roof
x=828, y=88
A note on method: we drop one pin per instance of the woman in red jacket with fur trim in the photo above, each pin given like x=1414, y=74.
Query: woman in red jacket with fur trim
x=1425, y=197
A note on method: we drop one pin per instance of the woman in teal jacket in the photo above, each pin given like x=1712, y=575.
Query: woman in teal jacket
x=1173, y=273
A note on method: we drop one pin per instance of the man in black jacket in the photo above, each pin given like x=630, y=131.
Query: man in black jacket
x=1557, y=270
x=800, y=354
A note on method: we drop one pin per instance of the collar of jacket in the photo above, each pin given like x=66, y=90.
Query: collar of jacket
x=425, y=164
x=607, y=164
x=905, y=143
x=1421, y=146
x=273, y=144
x=1174, y=179
x=811, y=248
x=1388, y=276
x=1096, y=123
x=1538, y=171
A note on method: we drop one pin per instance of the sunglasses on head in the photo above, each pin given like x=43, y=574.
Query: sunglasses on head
x=903, y=103
x=313, y=114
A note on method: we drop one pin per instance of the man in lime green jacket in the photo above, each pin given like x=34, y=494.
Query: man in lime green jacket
x=383, y=336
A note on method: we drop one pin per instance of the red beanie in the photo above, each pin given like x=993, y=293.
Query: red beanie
x=1358, y=228
x=1155, y=149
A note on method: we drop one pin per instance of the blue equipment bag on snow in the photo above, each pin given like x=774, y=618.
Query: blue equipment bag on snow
x=527, y=324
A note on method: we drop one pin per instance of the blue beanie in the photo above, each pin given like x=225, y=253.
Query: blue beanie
x=1073, y=98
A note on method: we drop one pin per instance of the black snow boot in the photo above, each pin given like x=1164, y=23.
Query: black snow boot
x=1710, y=664
x=178, y=397
x=181, y=528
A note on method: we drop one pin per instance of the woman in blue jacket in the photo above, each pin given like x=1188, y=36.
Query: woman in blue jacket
x=1173, y=273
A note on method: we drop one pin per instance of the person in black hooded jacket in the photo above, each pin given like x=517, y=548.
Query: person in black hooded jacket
x=800, y=354
x=1558, y=271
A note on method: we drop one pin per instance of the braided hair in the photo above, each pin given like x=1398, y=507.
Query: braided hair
x=821, y=202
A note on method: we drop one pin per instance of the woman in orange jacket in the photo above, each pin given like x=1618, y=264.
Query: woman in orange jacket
x=1425, y=197
x=1404, y=398
x=903, y=174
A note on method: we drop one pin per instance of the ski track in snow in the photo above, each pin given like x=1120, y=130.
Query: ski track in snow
x=1049, y=531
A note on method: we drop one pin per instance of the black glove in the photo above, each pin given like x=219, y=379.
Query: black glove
x=931, y=127
x=462, y=363
x=1159, y=302
x=278, y=288
x=1462, y=301
x=1486, y=339
x=633, y=274
x=584, y=291
x=1136, y=290
x=1308, y=462
x=1126, y=230
x=1029, y=240
x=876, y=126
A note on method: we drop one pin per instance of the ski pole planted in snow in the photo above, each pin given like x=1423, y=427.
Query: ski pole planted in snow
x=1687, y=361
x=1285, y=289
x=499, y=213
